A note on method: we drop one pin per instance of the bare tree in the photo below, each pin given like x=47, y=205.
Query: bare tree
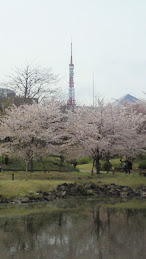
x=32, y=82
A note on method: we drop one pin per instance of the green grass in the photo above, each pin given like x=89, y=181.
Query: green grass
x=85, y=163
x=85, y=167
x=115, y=164
x=133, y=180
x=21, y=188
x=20, y=175
x=49, y=181
x=49, y=163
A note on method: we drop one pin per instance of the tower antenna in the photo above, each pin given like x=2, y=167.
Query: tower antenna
x=93, y=89
x=71, y=98
x=71, y=53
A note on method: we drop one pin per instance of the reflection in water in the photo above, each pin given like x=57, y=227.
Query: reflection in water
x=87, y=230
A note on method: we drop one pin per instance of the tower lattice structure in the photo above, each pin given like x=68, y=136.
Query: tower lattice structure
x=71, y=99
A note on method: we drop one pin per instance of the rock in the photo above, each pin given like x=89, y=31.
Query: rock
x=45, y=193
x=17, y=200
x=77, y=190
x=25, y=200
x=113, y=186
x=143, y=194
x=63, y=188
x=30, y=193
x=62, y=194
x=48, y=198
x=136, y=193
x=74, y=191
x=4, y=200
x=125, y=189
x=118, y=189
x=123, y=194
x=112, y=192
x=89, y=186
x=90, y=192
x=37, y=193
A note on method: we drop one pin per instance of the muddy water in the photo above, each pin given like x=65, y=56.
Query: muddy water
x=70, y=229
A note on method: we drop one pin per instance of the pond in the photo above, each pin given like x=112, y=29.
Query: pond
x=72, y=229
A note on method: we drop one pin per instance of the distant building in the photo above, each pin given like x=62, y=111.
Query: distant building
x=126, y=98
x=8, y=97
x=4, y=92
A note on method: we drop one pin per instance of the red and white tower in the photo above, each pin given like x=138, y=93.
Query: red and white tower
x=71, y=99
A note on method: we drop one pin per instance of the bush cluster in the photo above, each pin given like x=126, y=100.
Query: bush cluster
x=84, y=160
x=142, y=164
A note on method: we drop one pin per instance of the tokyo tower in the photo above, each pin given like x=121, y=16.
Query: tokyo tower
x=71, y=98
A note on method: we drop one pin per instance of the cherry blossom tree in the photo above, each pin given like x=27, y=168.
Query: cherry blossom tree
x=103, y=131
x=135, y=114
x=33, y=130
x=51, y=129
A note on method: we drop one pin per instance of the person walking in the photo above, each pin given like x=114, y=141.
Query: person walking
x=127, y=166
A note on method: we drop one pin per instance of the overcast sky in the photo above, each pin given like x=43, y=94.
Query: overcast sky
x=109, y=39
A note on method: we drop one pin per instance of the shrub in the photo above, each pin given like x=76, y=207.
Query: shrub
x=142, y=164
x=118, y=166
x=84, y=160
x=105, y=166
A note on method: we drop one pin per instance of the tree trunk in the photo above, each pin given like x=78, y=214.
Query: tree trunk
x=31, y=164
x=92, y=170
x=6, y=159
x=108, y=162
x=26, y=169
x=43, y=164
x=97, y=165
x=61, y=163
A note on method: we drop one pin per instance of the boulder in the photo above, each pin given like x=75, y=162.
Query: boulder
x=25, y=200
x=143, y=194
x=48, y=198
x=90, y=192
x=90, y=186
x=125, y=189
x=112, y=186
x=30, y=193
x=123, y=194
x=62, y=194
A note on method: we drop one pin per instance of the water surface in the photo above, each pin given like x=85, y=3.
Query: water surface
x=72, y=229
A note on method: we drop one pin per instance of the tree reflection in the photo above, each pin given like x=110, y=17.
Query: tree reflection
x=86, y=231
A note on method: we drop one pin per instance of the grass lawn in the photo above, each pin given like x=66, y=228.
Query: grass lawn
x=48, y=181
x=133, y=180
x=21, y=188
x=115, y=162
